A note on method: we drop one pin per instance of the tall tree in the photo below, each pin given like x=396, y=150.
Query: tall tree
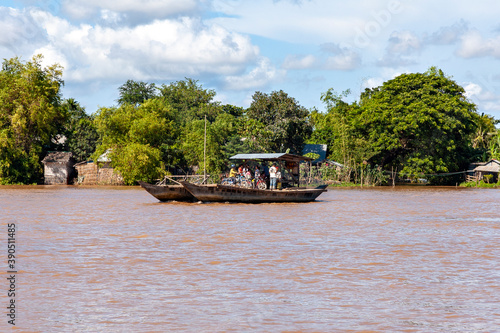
x=30, y=117
x=277, y=123
x=136, y=92
x=137, y=137
x=190, y=100
x=419, y=123
x=494, y=146
x=79, y=134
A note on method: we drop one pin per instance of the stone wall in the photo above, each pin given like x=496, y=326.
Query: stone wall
x=91, y=174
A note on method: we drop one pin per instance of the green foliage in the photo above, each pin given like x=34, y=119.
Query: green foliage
x=30, y=117
x=137, y=161
x=190, y=100
x=481, y=184
x=276, y=122
x=314, y=156
x=488, y=178
x=418, y=123
x=136, y=92
x=139, y=138
x=337, y=129
x=80, y=133
x=485, y=131
x=494, y=146
x=221, y=142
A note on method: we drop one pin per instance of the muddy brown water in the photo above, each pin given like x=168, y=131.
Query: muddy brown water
x=103, y=259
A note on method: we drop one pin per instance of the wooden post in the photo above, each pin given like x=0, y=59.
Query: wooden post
x=205, y=153
x=393, y=177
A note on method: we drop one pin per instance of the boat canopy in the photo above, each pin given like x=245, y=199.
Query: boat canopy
x=271, y=157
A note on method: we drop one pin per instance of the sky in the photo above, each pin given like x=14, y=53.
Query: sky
x=237, y=47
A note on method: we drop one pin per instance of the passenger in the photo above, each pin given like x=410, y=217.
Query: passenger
x=278, y=178
x=265, y=169
x=233, y=173
x=257, y=173
x=272, y=177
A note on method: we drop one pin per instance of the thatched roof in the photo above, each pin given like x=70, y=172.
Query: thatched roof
x=58, y=156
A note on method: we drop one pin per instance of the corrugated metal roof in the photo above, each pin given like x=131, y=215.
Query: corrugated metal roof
x=105, y=157
x=58, y=156
x=491, y=166
x=270, y=157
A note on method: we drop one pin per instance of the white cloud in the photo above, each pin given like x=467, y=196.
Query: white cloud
x=404, y=42
x=160, y=49
x=472, y=89
x=110, y=16
x=262, y=75
x=449, y=34
x=476, y=91
x=474, y=45
x=151, y=8
x=372, y=82
x=385, y=75
x=337, y=58
x=300, y=62
x=487, y=100
x=19, y=30
x=340, y=58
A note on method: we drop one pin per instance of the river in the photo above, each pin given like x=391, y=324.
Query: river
x=114, y=259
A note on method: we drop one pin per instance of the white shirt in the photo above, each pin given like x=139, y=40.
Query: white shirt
x=272, y=172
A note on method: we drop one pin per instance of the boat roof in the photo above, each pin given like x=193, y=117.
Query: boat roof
x=271, y=157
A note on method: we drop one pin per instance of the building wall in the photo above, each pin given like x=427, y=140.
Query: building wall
x=91, y=174
x=56, y=173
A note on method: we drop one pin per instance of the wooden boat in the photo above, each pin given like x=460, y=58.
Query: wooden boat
x=226, y=193
x=168, y=192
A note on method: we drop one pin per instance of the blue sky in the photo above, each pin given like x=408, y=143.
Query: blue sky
x=236, y=47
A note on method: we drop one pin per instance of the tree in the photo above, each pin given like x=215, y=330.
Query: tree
x=494, y=146
x=79, y=134
x=335, y=128
x=30, y=117
x=190, y=100
x=137, y=137
x=485, y=130
x=418, y=123
x=277, y=123
x=222, y=137
x=137, y=161
x=136, y=92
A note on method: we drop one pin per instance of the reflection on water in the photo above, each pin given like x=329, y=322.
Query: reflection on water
x=115, y=260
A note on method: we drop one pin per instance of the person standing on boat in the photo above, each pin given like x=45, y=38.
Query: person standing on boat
x=278, y=178
x=272, y=177
x=256, y=176
x=257, y=172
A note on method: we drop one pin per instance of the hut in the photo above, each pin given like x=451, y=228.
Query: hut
x=490, y=168
x=58, y=168
x=99, y=172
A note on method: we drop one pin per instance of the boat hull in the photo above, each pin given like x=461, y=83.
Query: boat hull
x=224, y=193
x=168, y=192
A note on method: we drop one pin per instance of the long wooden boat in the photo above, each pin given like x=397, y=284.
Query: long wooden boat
x=226, y=193
x=168, y=192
